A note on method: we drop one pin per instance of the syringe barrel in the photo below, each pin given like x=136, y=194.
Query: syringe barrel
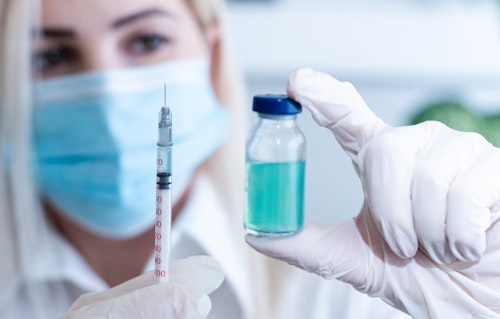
x=163, y=195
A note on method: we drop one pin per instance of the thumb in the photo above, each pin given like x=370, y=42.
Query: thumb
x=203, y=273
x=337, y=106
x=330, y=251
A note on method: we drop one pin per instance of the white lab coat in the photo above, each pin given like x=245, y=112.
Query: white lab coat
x=203, y=228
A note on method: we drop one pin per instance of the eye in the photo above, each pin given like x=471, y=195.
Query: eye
x=53, y=60
x=147, y=43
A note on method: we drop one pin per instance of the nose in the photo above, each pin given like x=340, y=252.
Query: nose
x=100, y=56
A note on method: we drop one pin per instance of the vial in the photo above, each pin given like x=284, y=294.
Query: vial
x=275, y=158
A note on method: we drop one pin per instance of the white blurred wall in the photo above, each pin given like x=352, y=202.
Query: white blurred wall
x=399, y=54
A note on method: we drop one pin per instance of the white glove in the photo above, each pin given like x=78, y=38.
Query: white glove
x=184, y=296
x=426, y=240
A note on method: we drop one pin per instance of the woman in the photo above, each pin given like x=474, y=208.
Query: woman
x=79, y=219
x=71, y=253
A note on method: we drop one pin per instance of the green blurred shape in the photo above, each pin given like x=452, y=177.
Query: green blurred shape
x=459, y=117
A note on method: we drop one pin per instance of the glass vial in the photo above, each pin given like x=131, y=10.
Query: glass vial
x=274, y=168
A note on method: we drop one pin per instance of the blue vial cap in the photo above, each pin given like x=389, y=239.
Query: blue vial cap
x=275, y=104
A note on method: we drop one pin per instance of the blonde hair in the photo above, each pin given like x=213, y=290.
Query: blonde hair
x=23, y=228
x=228, y=84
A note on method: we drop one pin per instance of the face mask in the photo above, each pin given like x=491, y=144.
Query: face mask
x=95, y=140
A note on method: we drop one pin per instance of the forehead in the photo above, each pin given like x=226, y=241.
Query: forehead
x=71, y=12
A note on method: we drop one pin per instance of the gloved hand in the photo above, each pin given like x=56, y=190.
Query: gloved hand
x=184, y=296
x=426, y=240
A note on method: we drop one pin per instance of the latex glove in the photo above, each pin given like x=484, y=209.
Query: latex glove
x=426, y=240
x=184, y=296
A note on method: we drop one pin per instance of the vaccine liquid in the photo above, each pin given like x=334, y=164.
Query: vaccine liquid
x=274, y=198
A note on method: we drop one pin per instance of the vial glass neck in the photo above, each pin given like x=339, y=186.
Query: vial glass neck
x=279, y=117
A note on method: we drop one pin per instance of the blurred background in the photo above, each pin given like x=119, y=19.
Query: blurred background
x=402, y=56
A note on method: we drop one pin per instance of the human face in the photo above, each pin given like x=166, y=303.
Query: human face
x=85, y=35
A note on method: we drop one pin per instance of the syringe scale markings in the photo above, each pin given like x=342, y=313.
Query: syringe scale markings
x=163, y=195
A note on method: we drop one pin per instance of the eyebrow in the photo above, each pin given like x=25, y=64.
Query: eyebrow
x=137, y=16
x=64, y=33
x=55, y=33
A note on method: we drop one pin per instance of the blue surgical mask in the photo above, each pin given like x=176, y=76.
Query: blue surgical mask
x=95, y=140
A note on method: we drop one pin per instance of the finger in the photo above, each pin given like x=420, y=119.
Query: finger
x=163, y=301
x=434, y=172
x=386, y=167
x=473, y=198
x=429, y=201
x=337, y=106
x=199, y=272
x=167, y=301
x=330, y=251
x=144, y=280
x=486, y=271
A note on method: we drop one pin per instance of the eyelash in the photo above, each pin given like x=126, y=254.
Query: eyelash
x=147, y=43
x=52, y=58
x=62, y=59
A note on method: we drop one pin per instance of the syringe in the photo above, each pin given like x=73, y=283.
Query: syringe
x=163, y=195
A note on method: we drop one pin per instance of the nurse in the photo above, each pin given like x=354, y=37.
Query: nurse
x=78, y=142
x=78, y=169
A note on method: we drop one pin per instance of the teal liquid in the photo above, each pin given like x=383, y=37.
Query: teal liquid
x=274, y=198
